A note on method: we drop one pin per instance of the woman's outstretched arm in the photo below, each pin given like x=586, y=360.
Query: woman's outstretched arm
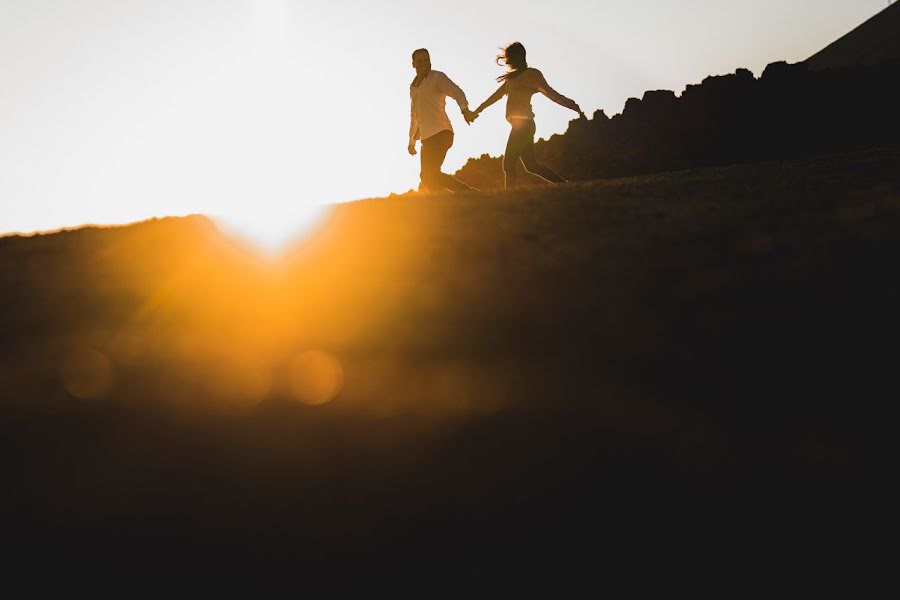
x=544, y=88
x=501, y=91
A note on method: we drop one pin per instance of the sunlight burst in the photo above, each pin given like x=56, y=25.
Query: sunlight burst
x=272, y=231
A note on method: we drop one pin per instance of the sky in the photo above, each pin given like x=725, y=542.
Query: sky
x=256, y=111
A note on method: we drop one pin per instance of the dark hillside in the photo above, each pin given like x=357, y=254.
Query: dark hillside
x=875, y=41
x=616, y=372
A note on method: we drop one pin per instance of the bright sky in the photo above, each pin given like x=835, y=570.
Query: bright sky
x=117, y=110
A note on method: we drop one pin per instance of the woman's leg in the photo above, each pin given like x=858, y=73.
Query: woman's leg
x=531, y=163
x=519, y=138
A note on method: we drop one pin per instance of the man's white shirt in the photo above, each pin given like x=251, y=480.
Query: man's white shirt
x=428, y=115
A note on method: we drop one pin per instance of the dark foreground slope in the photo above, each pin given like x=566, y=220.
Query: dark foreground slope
x=609, y=373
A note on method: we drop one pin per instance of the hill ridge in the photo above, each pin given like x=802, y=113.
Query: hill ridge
x=874, y=41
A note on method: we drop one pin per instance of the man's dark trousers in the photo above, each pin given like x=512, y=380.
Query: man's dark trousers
x=434, y=150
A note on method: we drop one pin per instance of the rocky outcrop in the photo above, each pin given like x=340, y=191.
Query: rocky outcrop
x=788, y=112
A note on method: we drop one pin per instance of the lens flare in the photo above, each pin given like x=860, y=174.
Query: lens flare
x=239, y=382
x=86, y=373
x=316, y=377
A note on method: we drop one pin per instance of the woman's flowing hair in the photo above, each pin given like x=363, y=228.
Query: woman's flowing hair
x=513, y=56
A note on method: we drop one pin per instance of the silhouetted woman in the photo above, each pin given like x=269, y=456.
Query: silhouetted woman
x=520, y=83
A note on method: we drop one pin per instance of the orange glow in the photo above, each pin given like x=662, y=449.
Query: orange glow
x=316, y=378
x=199, y=321
x=239, y=382
x=87, y=373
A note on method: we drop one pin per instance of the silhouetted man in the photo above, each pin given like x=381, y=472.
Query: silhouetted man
x=429, y=122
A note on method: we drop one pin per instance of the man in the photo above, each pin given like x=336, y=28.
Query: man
x=428, y=121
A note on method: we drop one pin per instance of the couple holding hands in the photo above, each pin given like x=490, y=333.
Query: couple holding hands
x=429, y=122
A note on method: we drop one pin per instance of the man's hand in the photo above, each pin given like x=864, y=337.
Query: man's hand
x=470, y=116
x=411, y=148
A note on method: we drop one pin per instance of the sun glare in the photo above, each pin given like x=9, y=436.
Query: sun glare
x=271, y=231
x=274, y=219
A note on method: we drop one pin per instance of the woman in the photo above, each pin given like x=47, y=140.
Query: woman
x=520, y=83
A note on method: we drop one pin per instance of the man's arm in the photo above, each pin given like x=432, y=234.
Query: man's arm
x=448, y=88
x=413, y=129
